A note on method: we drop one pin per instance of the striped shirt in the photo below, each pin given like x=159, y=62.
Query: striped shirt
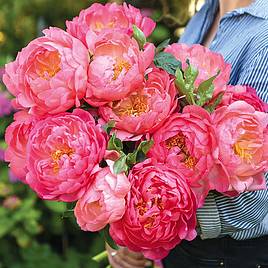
x=242, y=38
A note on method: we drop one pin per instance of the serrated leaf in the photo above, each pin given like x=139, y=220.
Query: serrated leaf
x=107, y=238
x=115, y=144
x=190, y=75
x=120, y=164
x=167, y=62
x=185, y=88
x=213, y=105
x=139, y=36
x=162, y=46
x=205, y=91
x=109, y=126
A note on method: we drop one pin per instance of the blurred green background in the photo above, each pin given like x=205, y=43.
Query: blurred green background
x=36, y=233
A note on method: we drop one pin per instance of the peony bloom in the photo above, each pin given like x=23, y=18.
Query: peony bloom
x=243, y=148
x=17, y=135
x=49, y=76
x=243, y=93
x=63, y=151
x=207, y=62
x=160, y=211
x=145, y=110
x=117, y=68
x=118, y=18
x=188, y=142
x=103, y=202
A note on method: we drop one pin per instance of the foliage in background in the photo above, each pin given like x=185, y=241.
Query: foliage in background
x=23, y=20
x=34, y=233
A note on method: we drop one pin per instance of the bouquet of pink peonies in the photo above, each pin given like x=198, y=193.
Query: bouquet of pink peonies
x=136, y=135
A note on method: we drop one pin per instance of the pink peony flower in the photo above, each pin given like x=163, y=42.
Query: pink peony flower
x=118, y=18
x=145, y=110
x=117, y=68
x=188, y=142
x=160, y=211
x=49, y=76
x=243, y=148
x=63, y=151
x=207, y=62
x=103, y=202
x=17, y=135
x=244, y=93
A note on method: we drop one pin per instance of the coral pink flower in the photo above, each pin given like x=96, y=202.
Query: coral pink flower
x=103, y=202
x=243, y=148
x=145, y=110
x=17, y=135
x=207, y=62
x=49, y=76
x=188, y=141
x=160, y=211
x=243, y=93
x=117, y=68
x=118, y=18
x=62, y=153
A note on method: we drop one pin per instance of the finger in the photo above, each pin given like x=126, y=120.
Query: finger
x=133, y=254
x=129, y=259
x=122, y=263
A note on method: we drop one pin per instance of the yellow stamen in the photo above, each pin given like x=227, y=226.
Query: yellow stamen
x=244, y=153
x=179, y=140
x=56, y=156
x=119, y=67
x=47, y=64
x=134, y=105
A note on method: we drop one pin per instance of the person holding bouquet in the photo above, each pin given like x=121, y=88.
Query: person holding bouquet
x=233, y=231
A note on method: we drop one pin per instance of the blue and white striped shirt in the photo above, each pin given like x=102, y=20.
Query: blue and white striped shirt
x=242, y=39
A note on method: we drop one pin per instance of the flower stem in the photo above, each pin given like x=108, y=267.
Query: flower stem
x=101, y=257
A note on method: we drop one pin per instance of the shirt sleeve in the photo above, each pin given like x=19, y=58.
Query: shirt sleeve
x=241, y=217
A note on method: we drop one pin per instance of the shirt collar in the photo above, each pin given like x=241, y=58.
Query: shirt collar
x=258, y=8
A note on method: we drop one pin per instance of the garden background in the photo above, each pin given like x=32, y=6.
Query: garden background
x=36, y=233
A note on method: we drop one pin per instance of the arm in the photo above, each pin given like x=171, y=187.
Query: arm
x=241, y=217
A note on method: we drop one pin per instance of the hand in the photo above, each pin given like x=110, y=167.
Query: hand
x=124, y=258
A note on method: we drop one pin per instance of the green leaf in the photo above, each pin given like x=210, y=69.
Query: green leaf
x=185, y=83
x=139, y=155
x=68, y=213
x=120, y=165
x=190, y=74
x=107, y=238
x=115, y=144
x=162, y=46
x=109, y=126
x=55, y=206
x=213, y=105
x=167, y=62
x=205, y=91
x=139, y=36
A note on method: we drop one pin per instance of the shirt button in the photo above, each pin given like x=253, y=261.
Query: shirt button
x=222, y=263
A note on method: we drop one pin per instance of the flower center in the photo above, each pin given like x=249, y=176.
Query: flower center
x=179, y=140
x=134, y=105
x=47, y=64
x=143, y=207
x=100, y=26
x=119, y=67
x=242, y=151
x=56, y=156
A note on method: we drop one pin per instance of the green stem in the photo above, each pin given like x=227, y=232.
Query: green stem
x=101, y=257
